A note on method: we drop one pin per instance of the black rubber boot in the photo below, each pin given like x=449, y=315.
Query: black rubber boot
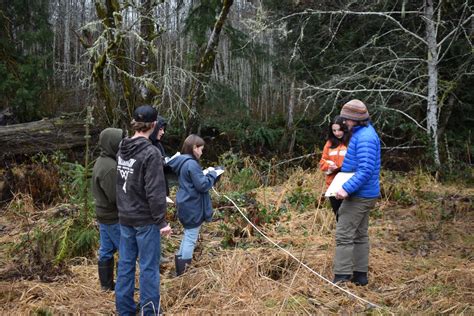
x=360, y=278
x=106, y=274
x=340, y=278
x=181, y=264
x=176, y=262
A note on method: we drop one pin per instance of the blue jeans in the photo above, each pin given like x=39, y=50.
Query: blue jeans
x=142, y=242
x=109, y=235
x=188, y=243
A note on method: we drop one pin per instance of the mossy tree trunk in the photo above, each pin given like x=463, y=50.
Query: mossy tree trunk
x=119, y=108
x=147, y=65
x=203, y=71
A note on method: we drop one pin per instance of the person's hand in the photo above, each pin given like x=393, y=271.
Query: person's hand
x=332, y=167
x=341, y=194
x=166, y=231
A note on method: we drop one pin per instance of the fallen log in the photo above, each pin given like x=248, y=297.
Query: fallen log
x=47, y=135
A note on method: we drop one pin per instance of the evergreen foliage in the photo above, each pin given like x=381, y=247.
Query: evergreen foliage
x=25, y=56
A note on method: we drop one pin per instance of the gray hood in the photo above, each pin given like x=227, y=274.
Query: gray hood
x=109, y=140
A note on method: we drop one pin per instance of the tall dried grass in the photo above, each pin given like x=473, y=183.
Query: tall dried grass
x=418, y=265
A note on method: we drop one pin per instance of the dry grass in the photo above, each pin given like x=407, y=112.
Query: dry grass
x=418, y=264
x=77, y=294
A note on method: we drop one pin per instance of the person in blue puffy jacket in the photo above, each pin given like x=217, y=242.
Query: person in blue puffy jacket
x=192, y=199
x=359, y=194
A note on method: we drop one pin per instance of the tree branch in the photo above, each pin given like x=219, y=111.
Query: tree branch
x=365, y=90
x=408, y=116
x=383, y=14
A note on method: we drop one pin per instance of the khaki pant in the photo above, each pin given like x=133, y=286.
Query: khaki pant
x=352, y=238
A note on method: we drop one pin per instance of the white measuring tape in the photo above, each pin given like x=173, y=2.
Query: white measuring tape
x=372, y=305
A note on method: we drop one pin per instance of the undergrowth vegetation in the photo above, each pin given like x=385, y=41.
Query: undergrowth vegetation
x=57, y=228
x=419, y=222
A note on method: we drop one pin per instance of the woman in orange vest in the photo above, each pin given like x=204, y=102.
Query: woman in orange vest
x=333, y=155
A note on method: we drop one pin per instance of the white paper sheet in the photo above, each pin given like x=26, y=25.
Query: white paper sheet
x=337, y=183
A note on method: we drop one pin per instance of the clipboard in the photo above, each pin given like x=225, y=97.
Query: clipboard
x=337, y=182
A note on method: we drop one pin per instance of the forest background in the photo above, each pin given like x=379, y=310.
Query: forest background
x=258, y=76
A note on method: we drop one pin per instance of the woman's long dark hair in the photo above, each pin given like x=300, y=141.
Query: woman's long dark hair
x=333, y=139
x=160, y=123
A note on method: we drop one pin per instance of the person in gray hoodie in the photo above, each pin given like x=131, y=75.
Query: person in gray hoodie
x=141, y=202
x=192, y=199
x=104, y=176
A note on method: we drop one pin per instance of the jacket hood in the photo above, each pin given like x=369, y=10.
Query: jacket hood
x=177, y=163
x=160, y=123
x=132, y=146
x=109, y=140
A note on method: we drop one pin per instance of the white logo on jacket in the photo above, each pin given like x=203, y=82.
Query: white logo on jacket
x=125, y=168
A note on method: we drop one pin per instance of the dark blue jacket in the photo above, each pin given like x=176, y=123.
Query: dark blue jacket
x=192, y=200
x=363, y=158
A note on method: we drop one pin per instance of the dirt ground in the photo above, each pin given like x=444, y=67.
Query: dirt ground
x=421, y=261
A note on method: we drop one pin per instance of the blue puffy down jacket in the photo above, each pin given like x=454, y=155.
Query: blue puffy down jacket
x=363, y=158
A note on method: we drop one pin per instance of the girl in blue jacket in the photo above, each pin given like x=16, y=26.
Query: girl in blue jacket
x=192, y=200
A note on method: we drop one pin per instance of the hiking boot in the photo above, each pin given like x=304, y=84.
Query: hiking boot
x=360, y=278
x=181, y=264
x=341, y=278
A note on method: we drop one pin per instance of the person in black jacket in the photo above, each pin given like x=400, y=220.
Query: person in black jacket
x=104, y=178
x=141, y=202
x=156, y=137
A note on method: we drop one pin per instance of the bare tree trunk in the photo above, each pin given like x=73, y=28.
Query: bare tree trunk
x=289, y=137
x=432, y=103
x=67, y=43
x=55, y=43
x=291, y=109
